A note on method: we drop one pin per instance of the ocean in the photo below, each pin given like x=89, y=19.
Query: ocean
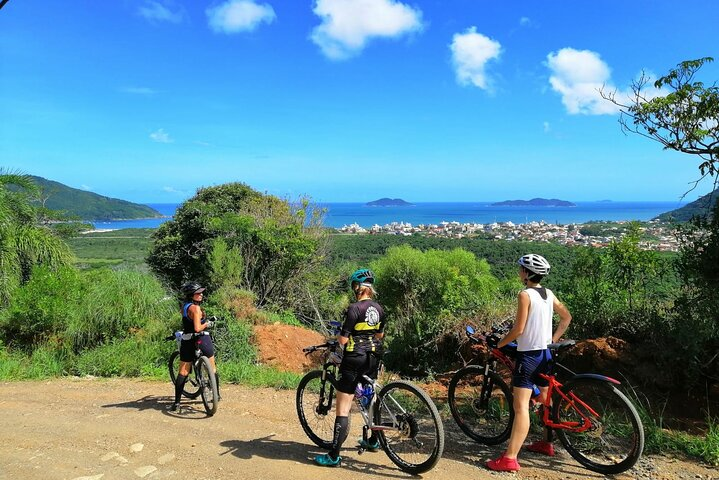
x=339, y=214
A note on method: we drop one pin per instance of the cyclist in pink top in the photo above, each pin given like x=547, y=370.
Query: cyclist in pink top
x=533, y=332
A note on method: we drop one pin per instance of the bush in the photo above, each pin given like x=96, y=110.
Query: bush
x=43, y=307
x=425, y=294
x=131, y=357
x=233, y=235
x=116, y=305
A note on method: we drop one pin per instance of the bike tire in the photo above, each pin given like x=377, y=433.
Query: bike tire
x=416, y=442
x=208, y=385
x=192, y=388
x=614, y=441
x=315, y=401
x=491, y=424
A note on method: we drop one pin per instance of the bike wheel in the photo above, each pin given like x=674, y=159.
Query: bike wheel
x=482, y=407
x=208, y=385
x=608, y=436
x=412, y=433
x=315, y=408
x=192, y=388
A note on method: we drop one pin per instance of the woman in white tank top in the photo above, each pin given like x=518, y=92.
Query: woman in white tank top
x=533, y=332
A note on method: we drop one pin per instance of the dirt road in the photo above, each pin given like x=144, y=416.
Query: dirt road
x=92, y=429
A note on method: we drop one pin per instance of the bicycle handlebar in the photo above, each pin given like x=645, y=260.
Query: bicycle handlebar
x=324, y=346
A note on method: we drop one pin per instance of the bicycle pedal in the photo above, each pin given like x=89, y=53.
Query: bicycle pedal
x=360, y=451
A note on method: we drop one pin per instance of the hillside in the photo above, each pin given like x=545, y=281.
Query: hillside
x=88, y=205
x=698, y=207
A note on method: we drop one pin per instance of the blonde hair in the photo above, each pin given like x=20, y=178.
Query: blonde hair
x=365, y=289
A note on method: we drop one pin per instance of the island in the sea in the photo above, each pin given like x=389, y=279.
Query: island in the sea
x=389, y=202
x=535, y=202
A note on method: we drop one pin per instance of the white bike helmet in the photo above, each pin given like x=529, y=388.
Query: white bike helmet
x=535, y=263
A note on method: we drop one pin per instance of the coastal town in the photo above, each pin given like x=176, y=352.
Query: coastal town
x=656, y=235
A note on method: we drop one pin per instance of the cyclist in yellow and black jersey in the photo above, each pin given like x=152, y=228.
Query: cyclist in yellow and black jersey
x=364, y=319
x=361, y=334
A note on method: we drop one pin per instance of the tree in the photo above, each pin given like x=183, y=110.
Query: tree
x=686, y=119
x=24, y=243
x=232, y=234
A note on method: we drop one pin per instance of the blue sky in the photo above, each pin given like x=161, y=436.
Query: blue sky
x=343, y=100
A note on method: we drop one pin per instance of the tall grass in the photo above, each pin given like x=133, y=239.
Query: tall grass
x=119, y=304
x=659, y=439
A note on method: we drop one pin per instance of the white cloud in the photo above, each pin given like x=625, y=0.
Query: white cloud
x=547, y=127
x=579, y=75
x=235, y=16
x=139, y=91
x=157, y=12
x=470, y=53
x=347, y=25
x=525, y=22
x=85, y=187
x=161, y=136
x=171, y=190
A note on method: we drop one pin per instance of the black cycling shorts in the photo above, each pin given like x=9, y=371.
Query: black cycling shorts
x=187, y=348
x=353, y=366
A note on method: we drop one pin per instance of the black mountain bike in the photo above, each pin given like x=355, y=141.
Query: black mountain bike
x=404, y=417
x=203, y=382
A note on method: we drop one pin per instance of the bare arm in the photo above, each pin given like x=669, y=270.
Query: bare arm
x=195, y=314
x=564, y=318
x=520, y=322
x=342, y=340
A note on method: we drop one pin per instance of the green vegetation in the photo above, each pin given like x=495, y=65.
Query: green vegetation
x=87, y=205
x=23, y=242
x=127, y=248
x=684, y=120
x=232, y=234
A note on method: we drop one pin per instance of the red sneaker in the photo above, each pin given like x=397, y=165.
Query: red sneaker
x=545, y=448
x=503, y=464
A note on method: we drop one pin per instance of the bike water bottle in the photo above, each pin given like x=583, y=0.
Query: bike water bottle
x=367, y=394
x=535, y=391
x=359, y=391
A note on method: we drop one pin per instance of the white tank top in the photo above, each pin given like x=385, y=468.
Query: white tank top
x=538, y=330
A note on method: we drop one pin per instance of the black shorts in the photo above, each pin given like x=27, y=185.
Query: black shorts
x=353, y=366
x=187, y=348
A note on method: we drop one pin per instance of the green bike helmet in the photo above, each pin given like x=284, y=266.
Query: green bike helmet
x=363, y=275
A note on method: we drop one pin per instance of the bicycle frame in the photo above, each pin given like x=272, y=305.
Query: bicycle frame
x=496, y=355
x=367, y=412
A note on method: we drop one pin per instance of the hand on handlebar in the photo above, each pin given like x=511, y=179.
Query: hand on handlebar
x=492, y=340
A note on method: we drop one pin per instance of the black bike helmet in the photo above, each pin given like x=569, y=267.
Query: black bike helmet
x=190, y=288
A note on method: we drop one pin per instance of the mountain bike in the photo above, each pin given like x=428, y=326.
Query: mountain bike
x=595, y=422
x=203, y=382
x=406, y=421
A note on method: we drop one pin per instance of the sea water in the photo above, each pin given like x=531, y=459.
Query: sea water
x=339, y=214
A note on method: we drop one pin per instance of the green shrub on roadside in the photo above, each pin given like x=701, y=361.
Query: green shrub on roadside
x=131, y=357
x=116, y=305
x=42, y=308
x=425, y=294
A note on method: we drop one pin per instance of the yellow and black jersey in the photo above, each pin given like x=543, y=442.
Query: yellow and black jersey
x=363, y=320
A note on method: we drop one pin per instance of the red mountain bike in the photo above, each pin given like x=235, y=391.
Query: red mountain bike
x=595, y=422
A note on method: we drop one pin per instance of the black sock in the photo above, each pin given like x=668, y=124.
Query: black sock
x=179, y=386
x=217, y=381
x=340, y=435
